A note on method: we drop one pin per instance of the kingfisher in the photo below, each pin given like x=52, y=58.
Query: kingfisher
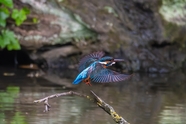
x=93, y=67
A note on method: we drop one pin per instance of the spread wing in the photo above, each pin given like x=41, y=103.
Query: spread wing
x=103, y=75
x=89, y=59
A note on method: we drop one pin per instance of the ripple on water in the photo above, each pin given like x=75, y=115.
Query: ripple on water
x=173, y=114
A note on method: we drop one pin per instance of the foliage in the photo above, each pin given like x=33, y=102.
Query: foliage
x=7, y=3
x=7, y=37
x=20, y=15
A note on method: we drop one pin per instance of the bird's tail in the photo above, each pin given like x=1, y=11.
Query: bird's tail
x=78, y=80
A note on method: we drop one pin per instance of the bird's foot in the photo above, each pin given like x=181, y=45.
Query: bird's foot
x=88, y=83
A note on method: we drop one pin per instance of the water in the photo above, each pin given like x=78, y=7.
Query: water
x=145, y=99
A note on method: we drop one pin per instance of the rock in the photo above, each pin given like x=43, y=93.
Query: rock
x=56, y=25
x=147, y=34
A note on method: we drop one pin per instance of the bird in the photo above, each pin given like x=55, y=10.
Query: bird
x=93, y=67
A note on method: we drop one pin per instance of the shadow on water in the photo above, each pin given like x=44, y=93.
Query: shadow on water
x=144, y=99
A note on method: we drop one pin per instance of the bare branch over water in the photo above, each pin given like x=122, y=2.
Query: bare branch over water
x=106, y=107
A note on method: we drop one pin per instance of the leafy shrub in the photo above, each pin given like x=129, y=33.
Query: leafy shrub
x=7, y=37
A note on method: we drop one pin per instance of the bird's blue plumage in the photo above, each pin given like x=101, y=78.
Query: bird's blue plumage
x=103, y=75
x=78, y=79
x=93, y=67
x=84, y=74
x=89, y=59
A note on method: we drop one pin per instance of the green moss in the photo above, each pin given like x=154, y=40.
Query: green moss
x=169, y=30
x=174, y=11
x=174, y=14
x=174, y=33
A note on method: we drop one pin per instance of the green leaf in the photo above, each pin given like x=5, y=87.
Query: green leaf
x=8, y=3
x=4, y=14
x=9, y=47
x=15, y=13
x=19, y=16
x=5, y=38
x=16, y=45
x=35, y=20
x=8, y=35
x=2, y=45
x=2, y=23
x=8, y=39
x=26, y=10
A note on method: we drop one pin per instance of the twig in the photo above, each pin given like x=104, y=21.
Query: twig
x=106, y=107
x=47, y=105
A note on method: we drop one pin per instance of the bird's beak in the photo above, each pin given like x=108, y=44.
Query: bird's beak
x=119, y=60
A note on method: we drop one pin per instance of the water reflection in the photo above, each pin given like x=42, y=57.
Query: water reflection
x=7, y=100
x=173, y=114
x=145, y=99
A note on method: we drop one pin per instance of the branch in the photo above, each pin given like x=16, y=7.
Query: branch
x=106, y=107
x=109, y=109
x=47, y=105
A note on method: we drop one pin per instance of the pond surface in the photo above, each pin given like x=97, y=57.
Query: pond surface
x=144, y=99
